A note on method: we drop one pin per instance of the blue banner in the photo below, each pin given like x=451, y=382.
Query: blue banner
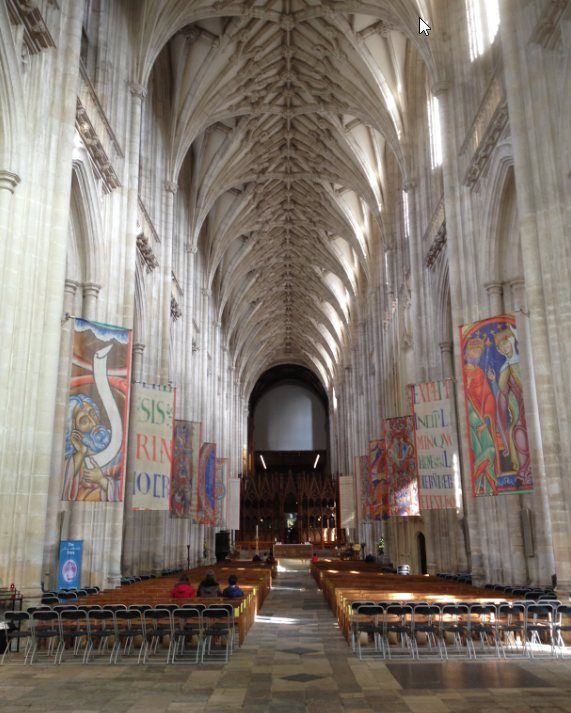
x=69, y=570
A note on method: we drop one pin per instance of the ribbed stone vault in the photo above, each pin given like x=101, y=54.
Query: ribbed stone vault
x=287, y=110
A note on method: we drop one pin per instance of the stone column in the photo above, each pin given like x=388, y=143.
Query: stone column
x=533, y=242
x=137, y=365
x=171, y=188
x=447, y=359
x=542, y=565
x=90, y=297
x=442, y=90
x=495, y=292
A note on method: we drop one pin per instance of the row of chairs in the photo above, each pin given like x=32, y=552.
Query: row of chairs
x=465, y=630
x=461, y=577
x=167, y=633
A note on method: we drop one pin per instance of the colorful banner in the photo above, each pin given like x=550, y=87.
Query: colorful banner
x=152, y=424
x=195, y=436
x=221, y=491
x=378, y=483
x=402, y=468
x=495, y=415
x=206, y=495
x=69, y=569
x=181, y=479
x=233, y=504
x=436, y=445
x=347, y=500
x=97, y=413
x=363, y=487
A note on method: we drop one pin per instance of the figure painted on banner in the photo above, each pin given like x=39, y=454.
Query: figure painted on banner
x=86, y=436
x=481, y=419
x=511, y=415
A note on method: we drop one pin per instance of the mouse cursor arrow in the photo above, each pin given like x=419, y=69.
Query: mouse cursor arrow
x=423, y=27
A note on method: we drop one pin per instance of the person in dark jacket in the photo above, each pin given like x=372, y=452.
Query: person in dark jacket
x=209, y=587
x=183, y=589
x=232, y=590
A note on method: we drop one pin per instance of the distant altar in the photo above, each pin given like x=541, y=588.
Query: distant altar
x=303, y=552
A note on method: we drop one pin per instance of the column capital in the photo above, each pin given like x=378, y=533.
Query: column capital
x=138, y=90
x=91, y=289
x=71, y=286
x=494, y=288
x=517, y=282
x=139, y=348
x=409, y=185
x=446, y=347
x=171, y=187
x=9, y=180
x=206, y=292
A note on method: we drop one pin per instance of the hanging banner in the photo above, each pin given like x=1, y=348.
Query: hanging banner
x=347, y=500
x=495, y=415
x=221, y=491
x=206, y=502
x=69, y=569
x=195, y=439
x=233, y=504
x=363, y=487
x=97, y=413
x=378, y=483
x=152, y=423
x=181, y=480
x=402, y=468
x=436, y=445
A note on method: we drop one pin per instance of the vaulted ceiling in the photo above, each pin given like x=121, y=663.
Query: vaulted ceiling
x=289, y=109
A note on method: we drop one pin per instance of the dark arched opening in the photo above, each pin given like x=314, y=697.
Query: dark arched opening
x=422, y=553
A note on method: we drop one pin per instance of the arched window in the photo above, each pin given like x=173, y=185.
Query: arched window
x=434, y=130
x=483, y=23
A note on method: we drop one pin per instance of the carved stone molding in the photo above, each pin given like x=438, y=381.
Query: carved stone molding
x=146, y=252
x=8, y=181
x=95, y=149
x=547, y=31
x=37, y=36
x=171, y=187
x=137, y=90
x=176, y=312
x=91, y=289
x=436, y=246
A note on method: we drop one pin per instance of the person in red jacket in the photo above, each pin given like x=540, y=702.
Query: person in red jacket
x=183, y=589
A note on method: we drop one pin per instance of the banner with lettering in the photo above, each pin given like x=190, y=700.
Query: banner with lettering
x=347, y=500
x=97, y=413
x=495, y=415
x=206, y=495
x=221, y=491
x=363, y=487
x=402, y=467
x=181, y=479
x=195, y=440
x=378, y=483
x=233, y=504
x=436, y=445
x=152, y=424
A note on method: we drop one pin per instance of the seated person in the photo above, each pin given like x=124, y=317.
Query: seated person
x=232, y=590
x=314, y=559
x=209, y=587
x=183, y=589
x=270, y=559
x=369, y=558
x=256, y=558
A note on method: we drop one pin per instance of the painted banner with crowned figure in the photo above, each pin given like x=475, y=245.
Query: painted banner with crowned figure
x=500, y=458
x=402, y=467
x=182, y=469
x=378, y=483
x=151, y=446
x=436, y=444
x=206, y=492
x=97, y=413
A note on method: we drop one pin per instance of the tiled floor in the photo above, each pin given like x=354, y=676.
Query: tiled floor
x=294, y=659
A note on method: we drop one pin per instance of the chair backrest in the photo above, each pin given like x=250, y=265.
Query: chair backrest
x=64, y=607
x=15, y=619
x=198, y=605
x=140, y=607
x=371, y=610
x=49, y=600
x=101, y=615
x=115, y=607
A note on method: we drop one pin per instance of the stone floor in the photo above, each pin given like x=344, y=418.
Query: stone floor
x=294, y=659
